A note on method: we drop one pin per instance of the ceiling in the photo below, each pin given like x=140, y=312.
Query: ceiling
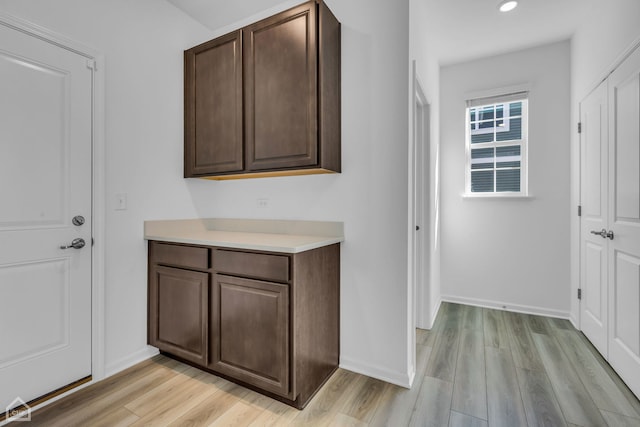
x=462, y=29
x=471, y=29
x=217, y=14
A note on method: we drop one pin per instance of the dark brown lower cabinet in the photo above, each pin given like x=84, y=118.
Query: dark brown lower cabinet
x=269, y=321
x=178, y=312
x=249, y=335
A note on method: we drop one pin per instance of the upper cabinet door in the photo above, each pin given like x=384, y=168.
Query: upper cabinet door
x=281, y=103
x=213, y=107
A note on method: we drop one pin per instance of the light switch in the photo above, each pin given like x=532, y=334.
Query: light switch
x=121, y=201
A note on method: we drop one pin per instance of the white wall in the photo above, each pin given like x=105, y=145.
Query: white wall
x=606, y=33
x=512, y=253
x=143, y=42
x=369, y=196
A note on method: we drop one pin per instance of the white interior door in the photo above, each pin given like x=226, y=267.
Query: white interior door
x=594, y=195
x=624, y=221
x=45, y=181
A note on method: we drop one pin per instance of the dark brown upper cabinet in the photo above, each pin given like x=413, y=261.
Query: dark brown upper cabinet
x=265, y=100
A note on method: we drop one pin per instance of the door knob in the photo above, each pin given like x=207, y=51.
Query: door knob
x=75, y=244
x=603, y=233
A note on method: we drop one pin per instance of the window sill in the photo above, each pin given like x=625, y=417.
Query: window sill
x=494, y=196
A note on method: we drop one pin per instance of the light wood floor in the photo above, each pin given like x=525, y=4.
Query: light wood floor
x=476, y=367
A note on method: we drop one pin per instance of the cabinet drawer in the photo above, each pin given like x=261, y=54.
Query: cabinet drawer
x=262, y=266
x=183, y=256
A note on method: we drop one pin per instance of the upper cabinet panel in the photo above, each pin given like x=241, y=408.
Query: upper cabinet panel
x=280, y=90
x=288, y=121
x=213, y=107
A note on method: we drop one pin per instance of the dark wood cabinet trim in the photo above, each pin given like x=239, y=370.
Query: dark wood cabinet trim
x=329, y=89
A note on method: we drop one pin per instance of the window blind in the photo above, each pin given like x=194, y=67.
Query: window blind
x=498, y=99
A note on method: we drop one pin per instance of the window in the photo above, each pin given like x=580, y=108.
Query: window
x=497, y=146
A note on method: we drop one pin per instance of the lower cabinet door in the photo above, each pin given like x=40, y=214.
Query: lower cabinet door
x=250, y=332
x=178, y=314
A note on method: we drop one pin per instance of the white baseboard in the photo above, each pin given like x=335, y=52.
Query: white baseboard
x=130, y=360
x=434, y=313
x=518, y=308
x=398, y=378
x=574, y=321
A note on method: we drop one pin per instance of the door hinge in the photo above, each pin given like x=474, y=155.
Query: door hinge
x=579, y=293
x=91, y=64
x=579, y=127
x=579, y=210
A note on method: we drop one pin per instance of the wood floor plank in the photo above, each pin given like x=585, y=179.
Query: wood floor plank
x=575, y=402
x=470, y=387
x=397, y=403
x=212, y=408
x=245, y=411
x=556, y=323
x=361, y=404
x=495, y=330
x=97, y=401
x=621, y=386
x=121, y=417
x=166, y=392
x=504, y=402
x=453, y=314
x=277, y=414
x=471, y=318
x=179, y=400
x=525, y=354
x=95, y=392
x=433, y=405
x=326, y=403
x=600, y=386
x=457, y=419
x=619, y=420
x=540, y=403
x=176, y=387
x=422, y=336
x=342, y=420
x=537, y=324
x=442, y=363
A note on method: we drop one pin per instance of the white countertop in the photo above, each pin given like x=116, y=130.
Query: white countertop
x=261, y=235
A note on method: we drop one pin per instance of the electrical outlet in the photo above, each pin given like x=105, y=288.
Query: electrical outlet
x=262, y=203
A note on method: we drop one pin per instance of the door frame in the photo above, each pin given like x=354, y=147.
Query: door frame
x=576, y=221
x=417, y=103
x=421, y=172
x=97, y=185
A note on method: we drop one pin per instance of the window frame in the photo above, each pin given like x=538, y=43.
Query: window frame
x=523, y=143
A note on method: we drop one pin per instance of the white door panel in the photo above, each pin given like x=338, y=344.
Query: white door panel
x=45, y=180
x=594, y=193
x=624, y=214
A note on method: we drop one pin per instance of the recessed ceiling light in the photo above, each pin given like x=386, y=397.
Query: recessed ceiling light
x=507, y=5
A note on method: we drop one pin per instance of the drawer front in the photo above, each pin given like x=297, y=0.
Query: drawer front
x=183, y=256
x=261, y=266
